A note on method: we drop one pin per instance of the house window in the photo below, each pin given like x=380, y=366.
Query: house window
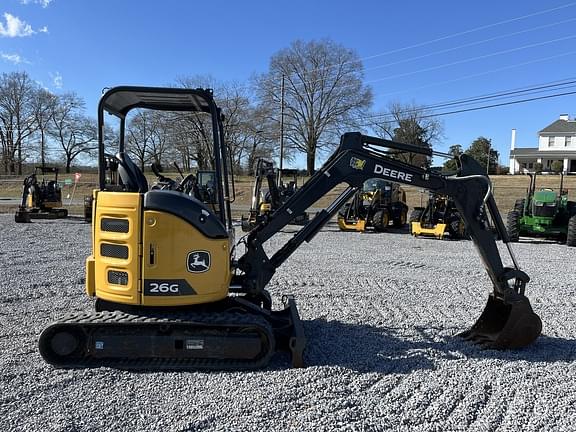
x=551, y=141
x=568, y=141
x=530, y=165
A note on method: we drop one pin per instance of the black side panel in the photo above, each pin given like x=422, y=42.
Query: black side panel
x=187, y=208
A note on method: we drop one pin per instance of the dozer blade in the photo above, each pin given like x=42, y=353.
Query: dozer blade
x=505, y=324
x=22, y=216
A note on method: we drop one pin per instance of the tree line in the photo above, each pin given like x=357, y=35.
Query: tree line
x=482, y=151
x=320, y=85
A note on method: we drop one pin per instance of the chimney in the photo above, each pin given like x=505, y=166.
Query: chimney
x=513, y=140
x=564, y=117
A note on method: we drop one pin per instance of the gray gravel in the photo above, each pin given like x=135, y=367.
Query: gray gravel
x=380, y=312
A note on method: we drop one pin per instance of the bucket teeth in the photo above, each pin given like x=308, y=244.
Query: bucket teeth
x=505, y=324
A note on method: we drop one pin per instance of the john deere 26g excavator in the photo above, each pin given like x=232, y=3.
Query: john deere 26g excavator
x=170, y=291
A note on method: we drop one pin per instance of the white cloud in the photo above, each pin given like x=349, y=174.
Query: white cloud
x=43, y=30
x=15, y=27
x=43, y=3
x=57, y=80
x=13, y=58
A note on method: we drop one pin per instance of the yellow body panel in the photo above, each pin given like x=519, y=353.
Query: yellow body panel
x=143, y=257
x=90, y=276
x=438, y=231
x=168, y=241
x=126, y=207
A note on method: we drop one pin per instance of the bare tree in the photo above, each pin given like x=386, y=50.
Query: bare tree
x=17, y=119
x=194, y=130
x=44, y=105
x=71, y=129
x=409, y=124
x=261, y=137
x=324, y=92
x=139, y=132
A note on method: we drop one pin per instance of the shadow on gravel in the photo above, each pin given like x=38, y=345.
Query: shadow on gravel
x=366, y=348
x=546, y=349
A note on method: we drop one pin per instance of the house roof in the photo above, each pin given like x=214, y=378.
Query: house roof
x=534, y=152
x=560, y=126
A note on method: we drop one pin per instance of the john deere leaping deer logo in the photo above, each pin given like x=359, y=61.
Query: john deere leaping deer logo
x=198, y=261
x=357, y=163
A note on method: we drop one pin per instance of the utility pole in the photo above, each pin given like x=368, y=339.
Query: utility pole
x=488, y=160
x=281, y=133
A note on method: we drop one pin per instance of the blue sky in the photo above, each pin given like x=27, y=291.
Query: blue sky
x=414, y=52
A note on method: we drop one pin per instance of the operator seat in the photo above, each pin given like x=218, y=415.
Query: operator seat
x=130, y=174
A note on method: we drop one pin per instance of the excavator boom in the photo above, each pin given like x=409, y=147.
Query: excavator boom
x=507, y=321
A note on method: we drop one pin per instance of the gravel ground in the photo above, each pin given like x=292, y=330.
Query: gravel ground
x=380, y=312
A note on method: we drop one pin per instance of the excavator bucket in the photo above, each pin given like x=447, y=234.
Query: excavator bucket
x=505, y=324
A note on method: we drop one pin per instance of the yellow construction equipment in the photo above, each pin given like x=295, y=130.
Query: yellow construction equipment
x=173, y=288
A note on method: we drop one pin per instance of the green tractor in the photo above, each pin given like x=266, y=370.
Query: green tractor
x=545, y=213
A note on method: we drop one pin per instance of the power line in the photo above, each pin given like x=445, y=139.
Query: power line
x=501, y=104
x=535, y=88
x=496, y=95
x=515, y=65
x=484, y=27
x=470, y=44
x=479, y=108
x=470, y=59
x=443, y=51
x=450, y=36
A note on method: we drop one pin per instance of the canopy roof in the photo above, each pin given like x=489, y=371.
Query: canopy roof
x=120, y=100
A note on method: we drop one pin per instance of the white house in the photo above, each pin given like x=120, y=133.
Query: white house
x=556, y=142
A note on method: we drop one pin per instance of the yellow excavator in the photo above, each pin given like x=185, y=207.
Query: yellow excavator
x=41, y=199
x=265, y=202
x=438, y=218
x=174, y=291
x=378, y=203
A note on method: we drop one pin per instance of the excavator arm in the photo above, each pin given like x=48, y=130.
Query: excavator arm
x=507, y=321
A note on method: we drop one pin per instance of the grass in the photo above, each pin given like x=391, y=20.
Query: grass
x=507, y=189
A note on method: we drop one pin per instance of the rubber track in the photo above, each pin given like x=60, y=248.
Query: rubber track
x=225, y=320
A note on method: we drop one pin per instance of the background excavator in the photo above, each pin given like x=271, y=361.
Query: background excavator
x=376, y=205
x=265, y=201
x=41, y=199
x=438, y=218
x=173, y=288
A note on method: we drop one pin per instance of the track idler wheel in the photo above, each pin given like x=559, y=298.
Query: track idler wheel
x=505, y=324
x=60, y=344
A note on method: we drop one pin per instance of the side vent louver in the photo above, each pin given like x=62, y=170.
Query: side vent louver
x=114, y=225
x=117, y=277
x=114, y=251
